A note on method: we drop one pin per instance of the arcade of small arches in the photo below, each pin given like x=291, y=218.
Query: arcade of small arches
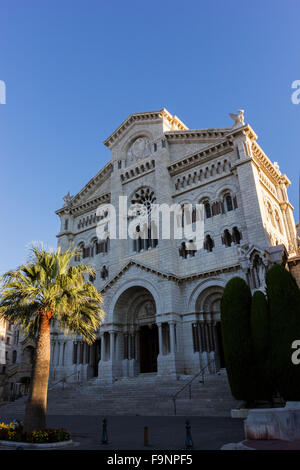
x=228, y=238
x=91, y=250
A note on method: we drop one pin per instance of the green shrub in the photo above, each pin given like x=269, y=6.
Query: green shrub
x=236, y=333
x=260, y=332
x=284, y=305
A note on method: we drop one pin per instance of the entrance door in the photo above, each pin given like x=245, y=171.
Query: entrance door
x=148, y=348
x=220, y=346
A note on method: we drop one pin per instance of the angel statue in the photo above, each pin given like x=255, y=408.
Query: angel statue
x=238, y=118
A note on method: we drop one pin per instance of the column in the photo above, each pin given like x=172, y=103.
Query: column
x=58, y=353
x=63, y=353
x=137, y=336
x=52, y=352
x=172, y=337
x=160, y=339
x=102, y=347
x=78, y=352
x=111, y=348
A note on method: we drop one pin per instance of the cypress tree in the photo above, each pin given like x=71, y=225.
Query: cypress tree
x=260, y=331
x=236, y=333
x=284, y=305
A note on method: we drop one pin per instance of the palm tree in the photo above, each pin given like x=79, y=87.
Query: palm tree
x=47, y=291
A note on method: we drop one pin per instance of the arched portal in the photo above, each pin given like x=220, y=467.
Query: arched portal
x=207, y=331
x=137, y=336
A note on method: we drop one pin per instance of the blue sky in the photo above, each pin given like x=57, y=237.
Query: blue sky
x=74, y=70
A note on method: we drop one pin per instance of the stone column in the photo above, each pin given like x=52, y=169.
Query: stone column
x=172, y=337
x=58, y=353
x=78, y=352
x=63, y=347
x=137, y=336
x=52, y=352
x=160, y=339
x=102, y=347
x=111, y=347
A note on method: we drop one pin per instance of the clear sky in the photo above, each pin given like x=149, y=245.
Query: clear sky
x=75, y=69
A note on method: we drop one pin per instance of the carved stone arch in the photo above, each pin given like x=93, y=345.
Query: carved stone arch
x=135, y=135
x=209, y=300
x=186, y=200
x=81, y=241
x=201, y=287
x=226, y=188
x=135, y=282
x=138, y=149
x=92, y=239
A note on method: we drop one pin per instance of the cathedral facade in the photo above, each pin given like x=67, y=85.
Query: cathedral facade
x=162, y=298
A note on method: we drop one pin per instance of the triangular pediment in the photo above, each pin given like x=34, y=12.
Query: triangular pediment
x=144, y=267
x=163, y=115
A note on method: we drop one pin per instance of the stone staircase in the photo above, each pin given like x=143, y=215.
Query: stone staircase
x=143, y=395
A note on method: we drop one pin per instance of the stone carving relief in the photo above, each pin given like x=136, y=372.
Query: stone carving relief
x=146, y=311
x=140, y=149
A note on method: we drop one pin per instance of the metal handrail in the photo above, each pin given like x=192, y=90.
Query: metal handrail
x=64, y=379
x=188, y=384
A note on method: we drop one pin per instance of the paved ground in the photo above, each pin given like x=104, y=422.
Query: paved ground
x=165, y=433
x=273, y=445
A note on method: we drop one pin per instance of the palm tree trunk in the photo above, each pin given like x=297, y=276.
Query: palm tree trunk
x=35, y=413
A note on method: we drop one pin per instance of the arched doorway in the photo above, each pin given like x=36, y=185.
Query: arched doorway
x=207, y=331
x=137, y=336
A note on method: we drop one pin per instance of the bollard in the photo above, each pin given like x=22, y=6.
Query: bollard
x=188, y=437
x=146, y=436
x=104, y=432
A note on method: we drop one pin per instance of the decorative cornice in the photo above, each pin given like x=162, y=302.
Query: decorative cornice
x=90, y=204
x=136, y=171
x=268, y=166
x=166, y=275
x=173, y=121
x=201, y=156
x=206, y=134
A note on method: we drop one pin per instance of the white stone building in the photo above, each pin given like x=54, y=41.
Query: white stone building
x=162, y=300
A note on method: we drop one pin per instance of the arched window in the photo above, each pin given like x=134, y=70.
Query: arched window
x=104, y=272
x=208, y=243
x=228, y=202
x=270, y=214
x=278, y=221
x=79, y=252
x=207, y=209
x=227, y=238
x=93, y=250
x=236, y=235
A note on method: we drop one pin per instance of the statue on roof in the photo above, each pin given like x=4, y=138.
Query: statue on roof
x=67, y=199
x=238, y=118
